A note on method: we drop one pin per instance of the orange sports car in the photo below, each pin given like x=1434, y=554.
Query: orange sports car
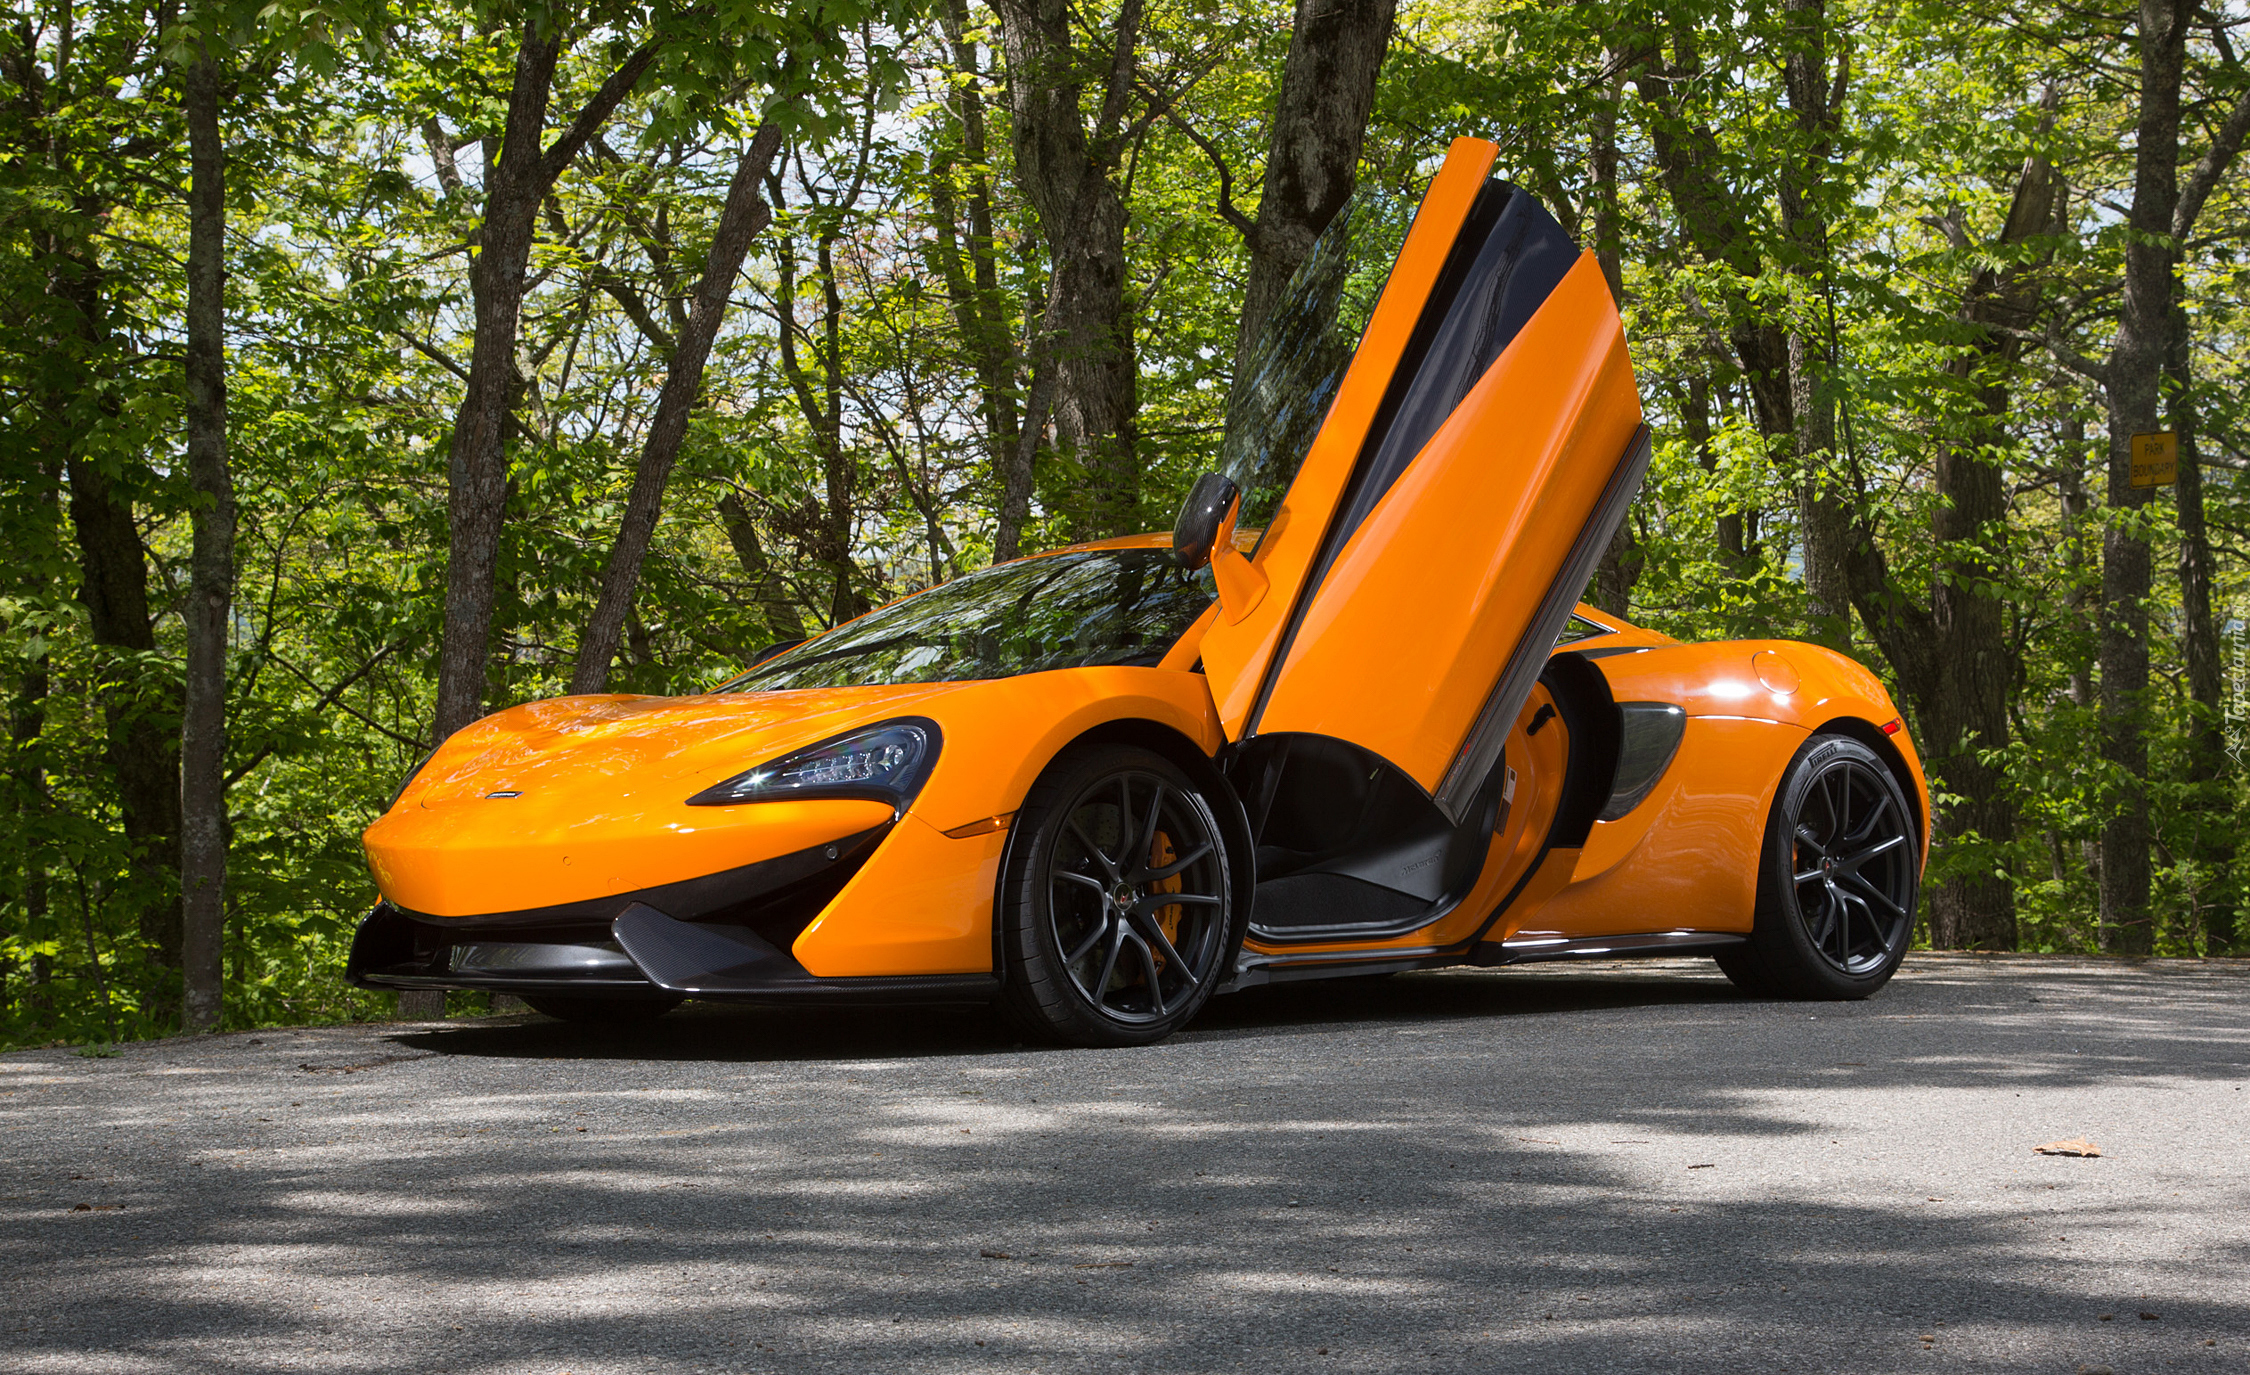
x=1347, y=719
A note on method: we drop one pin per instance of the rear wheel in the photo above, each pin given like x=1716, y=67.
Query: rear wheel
x=1117, y=914
x=614, y=1011
x=1837, y=881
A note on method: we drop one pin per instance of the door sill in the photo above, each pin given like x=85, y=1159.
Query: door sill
x=1520, y=950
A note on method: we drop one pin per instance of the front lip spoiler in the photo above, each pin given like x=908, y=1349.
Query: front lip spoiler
x=734, y=963
x=703, y=960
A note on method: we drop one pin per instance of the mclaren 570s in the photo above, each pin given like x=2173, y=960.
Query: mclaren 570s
x=1346, y=719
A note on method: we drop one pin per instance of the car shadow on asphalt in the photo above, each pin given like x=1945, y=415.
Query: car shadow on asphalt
x=749, y=1034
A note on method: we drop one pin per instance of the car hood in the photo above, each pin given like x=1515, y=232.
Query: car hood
x=664, y=745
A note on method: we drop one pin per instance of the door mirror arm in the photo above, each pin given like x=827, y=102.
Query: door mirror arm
x=1204, y=534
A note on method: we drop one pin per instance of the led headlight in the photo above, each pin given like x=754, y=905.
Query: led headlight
x=885, y=763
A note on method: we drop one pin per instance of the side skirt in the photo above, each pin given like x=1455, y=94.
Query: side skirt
x=1535, y=949
x=1253, y=969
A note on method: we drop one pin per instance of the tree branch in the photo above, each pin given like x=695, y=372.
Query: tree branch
x=2214, y=164
x=599, y=108
x=1243, y=224
x=327, y=700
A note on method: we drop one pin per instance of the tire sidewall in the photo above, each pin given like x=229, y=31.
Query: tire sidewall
x=1784, y=943
x=1037, y=992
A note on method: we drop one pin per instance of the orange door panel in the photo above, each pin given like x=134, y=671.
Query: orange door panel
x=1235, y=656
x=1404, y=639
x=1484, y=442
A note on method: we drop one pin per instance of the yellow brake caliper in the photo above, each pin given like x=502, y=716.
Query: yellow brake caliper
x=1161, y=853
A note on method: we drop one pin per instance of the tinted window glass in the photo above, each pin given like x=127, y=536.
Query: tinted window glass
x=1509, y=258
x=1076, y=610
x=1579, y=628
x=1291, y=372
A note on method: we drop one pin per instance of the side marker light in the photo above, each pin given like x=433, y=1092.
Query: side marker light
x=1893, y=726
x=983, y=828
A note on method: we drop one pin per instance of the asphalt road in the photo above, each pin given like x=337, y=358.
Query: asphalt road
x=1608, y=1168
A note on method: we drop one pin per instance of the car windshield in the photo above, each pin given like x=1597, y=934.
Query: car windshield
x=1079, y=609
x=1292, y=372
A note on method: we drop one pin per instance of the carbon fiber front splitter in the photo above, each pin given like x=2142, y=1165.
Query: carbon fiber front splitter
x=648, y=954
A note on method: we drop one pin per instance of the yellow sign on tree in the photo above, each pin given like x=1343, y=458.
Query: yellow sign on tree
x=2156, y=459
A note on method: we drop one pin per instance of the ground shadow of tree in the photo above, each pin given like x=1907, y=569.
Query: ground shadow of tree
x=1427, y=1172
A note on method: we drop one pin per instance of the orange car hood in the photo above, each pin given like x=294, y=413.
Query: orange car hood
x=568, y=748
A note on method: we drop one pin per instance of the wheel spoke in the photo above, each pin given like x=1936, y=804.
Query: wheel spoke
x=1157, y=902
x=1146, y=840
x=1869, y=890
x=1101, y=857
x=1853, y=863
x=1805, y=837
x=1850, y=902
x=1827, y=915
x=1874, y=819
x=1093, y=938
x=1100, y=990
x=1148, y=968
x=1176, y=866
x=1152, y=932
x=1827, y=791
x=1066, y=876
x=1806, y=877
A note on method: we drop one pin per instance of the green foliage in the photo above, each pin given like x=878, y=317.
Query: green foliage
x=845, y=456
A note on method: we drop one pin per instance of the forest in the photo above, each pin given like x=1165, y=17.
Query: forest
x=364, y=370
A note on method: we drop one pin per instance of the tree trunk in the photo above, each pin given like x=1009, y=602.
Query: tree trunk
x=1824, y=517
x=515, y=182
x=782, y=621
x=2210, y=817
x=203, y=719
x=144, y=748
x=1954, y=660
x=1721, y=229
x=2135, y=364
x=979, y=308
x=821, y=401
x=1620, y=566
x=1064, y=170
x=142, y=744
x=1336, y=50
x=477, y=465
x=2209, y=772
x=27, y=723
x=743, y=215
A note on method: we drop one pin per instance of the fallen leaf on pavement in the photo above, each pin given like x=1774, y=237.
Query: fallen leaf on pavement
x=2074, y=1146
x=995, y=1255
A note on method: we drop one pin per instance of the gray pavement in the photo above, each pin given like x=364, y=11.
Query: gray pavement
x=1604, y=1168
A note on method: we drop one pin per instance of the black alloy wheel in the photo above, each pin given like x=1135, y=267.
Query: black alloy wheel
x=1118, y=917
x=1838, y=880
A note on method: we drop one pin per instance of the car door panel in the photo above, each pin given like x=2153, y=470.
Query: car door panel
x=1402, y=642
x=1236, y=655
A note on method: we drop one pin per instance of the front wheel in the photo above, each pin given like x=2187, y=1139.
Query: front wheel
x=1837, y=881
x=1117, y=913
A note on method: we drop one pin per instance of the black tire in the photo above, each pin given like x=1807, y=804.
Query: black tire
x=609, y=1011
x=1837, y=881
x=1094, y=956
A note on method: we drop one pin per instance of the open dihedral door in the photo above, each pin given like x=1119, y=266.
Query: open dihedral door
x=1480, y=453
